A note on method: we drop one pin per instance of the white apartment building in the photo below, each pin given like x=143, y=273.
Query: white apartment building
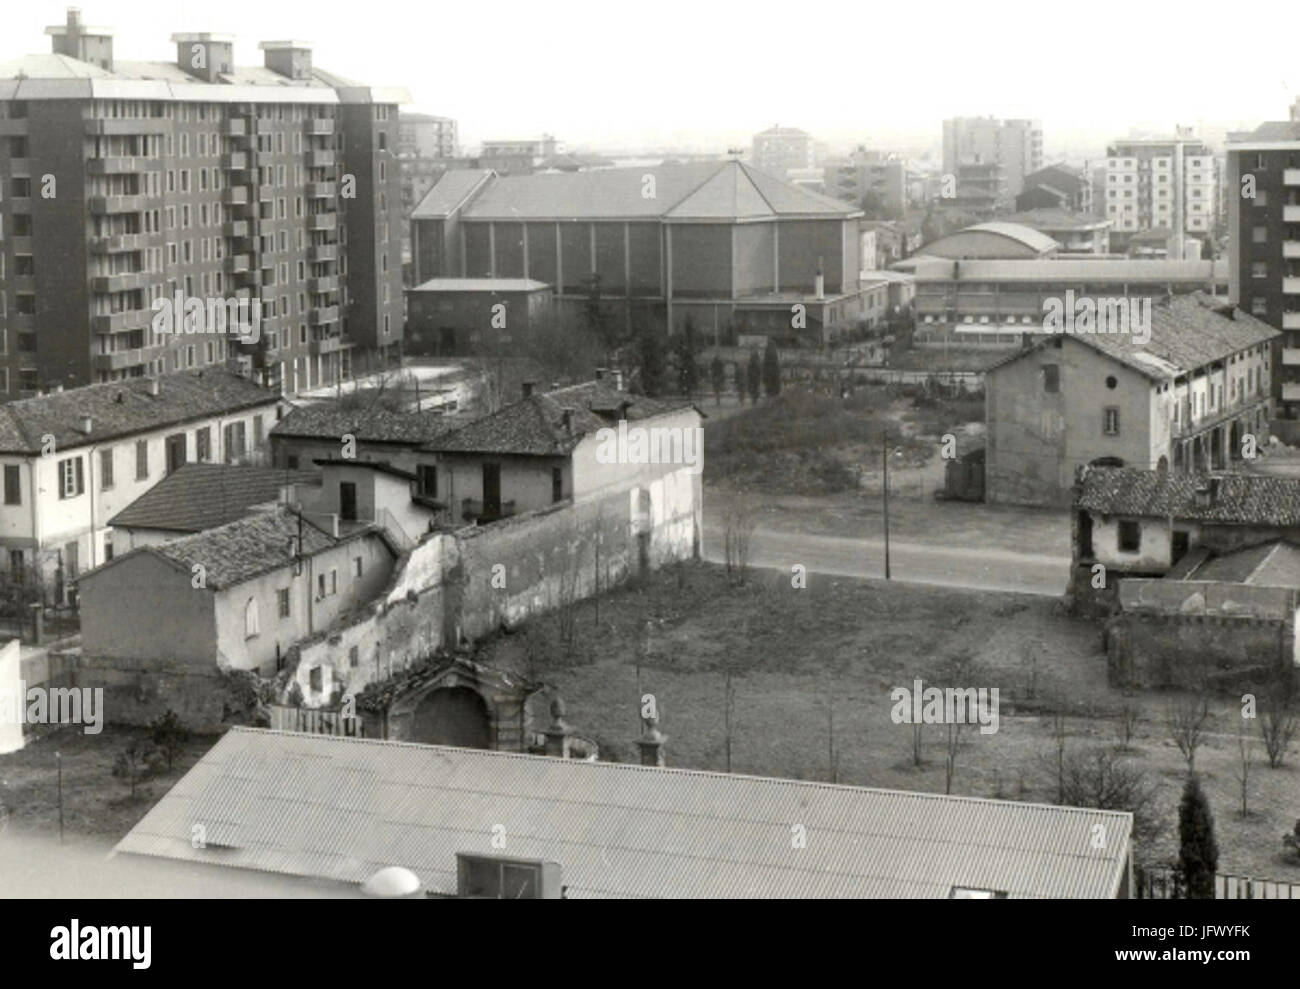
x=1146, y=188
x=72, y=460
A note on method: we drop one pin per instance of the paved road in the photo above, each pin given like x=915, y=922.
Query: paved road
x=913, y=562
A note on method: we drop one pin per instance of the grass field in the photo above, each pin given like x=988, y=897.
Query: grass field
x=804, y=659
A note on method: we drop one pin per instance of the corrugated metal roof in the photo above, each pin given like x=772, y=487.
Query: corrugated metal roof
x=342, y=808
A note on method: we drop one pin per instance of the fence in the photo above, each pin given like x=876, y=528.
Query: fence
x=1163, y=883
x=315, y=721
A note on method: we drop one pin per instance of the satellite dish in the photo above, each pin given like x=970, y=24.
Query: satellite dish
x=393, y=882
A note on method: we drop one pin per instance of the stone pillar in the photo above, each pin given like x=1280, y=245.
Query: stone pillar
x=558, y=735
x=651, y=743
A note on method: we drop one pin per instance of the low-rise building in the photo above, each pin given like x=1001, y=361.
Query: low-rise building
x=236, y=597
x=1076, y=232
x=1056, y=187
x=73, y=459
x=1193, y=397
x=994, y=302
x=547, y=448
x=474, y=315
x=682, y=833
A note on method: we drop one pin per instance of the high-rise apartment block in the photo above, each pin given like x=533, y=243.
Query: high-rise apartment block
x=1166, y=182
x=124, y=185
x=1263, y=184
x=422, y=135
x=1002, y=153
x=779, y=150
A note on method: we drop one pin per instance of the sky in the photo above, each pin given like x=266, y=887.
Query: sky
x=704, y=74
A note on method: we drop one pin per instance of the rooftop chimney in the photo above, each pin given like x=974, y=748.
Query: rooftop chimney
x=600, y=374
x=567, y=416
x=205, y=56
x=527, y=388
x=87, y=425
x=291, y=59
x=86, y=44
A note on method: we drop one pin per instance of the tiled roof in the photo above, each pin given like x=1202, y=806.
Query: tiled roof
x=246, y=548
x=720, y=190
x=123, y=408
x=327, y=420
x=535, y=426
x=1187, y=332
x=203, y=496
x=340, y=808
x=1240, y=499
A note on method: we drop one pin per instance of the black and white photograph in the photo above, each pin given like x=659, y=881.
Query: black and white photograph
x=679, y=451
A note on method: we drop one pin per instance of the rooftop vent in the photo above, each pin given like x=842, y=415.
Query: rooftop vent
x=86, y=44
x=291, y=59
x=205, y=56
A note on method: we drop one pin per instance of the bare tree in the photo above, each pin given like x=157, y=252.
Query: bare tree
x=739, y=522
x=728, y=710
x=1126, y=723
x=832, y=754
x=1245, y=758
x=1277, y=721
x=1098, y=777
x=952, y=745
x=1188, y=717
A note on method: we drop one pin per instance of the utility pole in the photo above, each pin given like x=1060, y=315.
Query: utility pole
x=884, y=459
x=58, y=758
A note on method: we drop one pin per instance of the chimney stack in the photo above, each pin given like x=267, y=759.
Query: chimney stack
x=567, y=416
x=651, y=743
x=205, y=56
x=87, y=425
x=86, y=44
x=291, y=59
x=600, y=374
x=527, y=388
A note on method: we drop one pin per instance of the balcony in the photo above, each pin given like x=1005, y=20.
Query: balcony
x=122, y=359
x=319, y=125
x=324, y=315
x=323, y=252
x=236, y=161
x=323, y=221
x=319, y=158
x=235, y=196
x=107, y=127
x=1291, y=321
x=235, y=127
x=476, y=511
x=132, y=319
x=265, y=193
x=13, y=126
x=118, y=204
x=21, y=245
x=1291, y=286
x=262, y=126
x=1291, y=176
x=123, y=282
x=1291, y=248
x=1291, y=391
x=264, y=159
x=1291, y=214
x=236, y=263
x=329, y=345
x=1291, y=355
x=117, y=244
x=325, y=283
x=122, y=165
x=321, y=190
x=235, y=228
x=251, y=278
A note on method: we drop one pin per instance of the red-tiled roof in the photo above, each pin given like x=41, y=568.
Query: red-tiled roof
x=203, y=496
x=1235, y=499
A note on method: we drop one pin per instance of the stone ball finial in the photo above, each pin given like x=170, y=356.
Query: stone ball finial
x=557, y=708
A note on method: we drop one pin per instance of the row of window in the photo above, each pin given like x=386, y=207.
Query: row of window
x=71, y=470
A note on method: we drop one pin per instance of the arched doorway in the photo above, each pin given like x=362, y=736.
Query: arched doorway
x=453, y=716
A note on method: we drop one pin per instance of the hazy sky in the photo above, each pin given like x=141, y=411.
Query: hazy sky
x=619, y=74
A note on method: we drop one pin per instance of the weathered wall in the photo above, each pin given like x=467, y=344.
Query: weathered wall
x=1191, y=633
